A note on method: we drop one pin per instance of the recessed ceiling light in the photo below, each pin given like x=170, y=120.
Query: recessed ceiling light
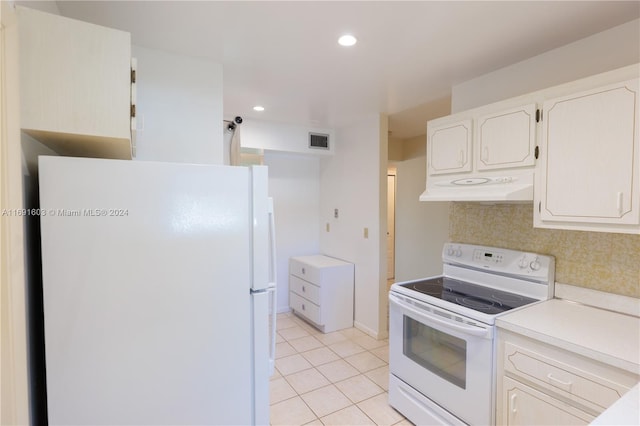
x=258, y=108
x=347, y=40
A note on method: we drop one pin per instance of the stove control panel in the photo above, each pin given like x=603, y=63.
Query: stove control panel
x=499, y=260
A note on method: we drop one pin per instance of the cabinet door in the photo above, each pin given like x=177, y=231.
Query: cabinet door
x=75, y=85
x=506, y=139
x=590, y=157
x=449, y=147
x=523, y=405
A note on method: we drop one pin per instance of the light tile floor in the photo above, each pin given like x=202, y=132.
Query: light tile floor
x=338, y=378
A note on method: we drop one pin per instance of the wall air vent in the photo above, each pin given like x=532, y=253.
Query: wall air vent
x=318, y=141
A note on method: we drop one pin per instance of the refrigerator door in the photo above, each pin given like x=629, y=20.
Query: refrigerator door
x=147, y=270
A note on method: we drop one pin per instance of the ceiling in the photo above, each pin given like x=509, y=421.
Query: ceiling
x=285, y=56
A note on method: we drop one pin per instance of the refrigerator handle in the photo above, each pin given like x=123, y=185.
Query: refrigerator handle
x=272, y=286
x=272, y=238
x=272, y=344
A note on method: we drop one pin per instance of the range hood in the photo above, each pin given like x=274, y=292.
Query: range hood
x=510, y=186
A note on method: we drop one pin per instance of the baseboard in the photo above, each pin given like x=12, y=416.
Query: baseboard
x=366, y=329
x=283, y=309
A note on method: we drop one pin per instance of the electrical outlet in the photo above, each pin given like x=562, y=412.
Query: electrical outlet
x=335, y=213
x=366, y=232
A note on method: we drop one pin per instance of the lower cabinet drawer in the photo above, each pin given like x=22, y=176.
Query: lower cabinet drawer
x=561, y=378
x=305, y=307
x=305, y=289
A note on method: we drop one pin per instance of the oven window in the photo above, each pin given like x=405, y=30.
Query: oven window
x=438, y=352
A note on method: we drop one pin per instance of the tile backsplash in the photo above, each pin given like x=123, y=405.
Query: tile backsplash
x=600, y=261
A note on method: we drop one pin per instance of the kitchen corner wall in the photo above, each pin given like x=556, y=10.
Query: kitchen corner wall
x=600, y=261
x=354, y=182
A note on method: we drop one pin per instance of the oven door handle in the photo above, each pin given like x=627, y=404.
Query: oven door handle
x=470, y=329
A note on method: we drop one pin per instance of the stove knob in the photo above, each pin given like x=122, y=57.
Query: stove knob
x=458, y=252
x=535, y=265
x=450, y=251
x=523, y=263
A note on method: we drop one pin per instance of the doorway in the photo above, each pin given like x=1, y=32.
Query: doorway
x=391, y=224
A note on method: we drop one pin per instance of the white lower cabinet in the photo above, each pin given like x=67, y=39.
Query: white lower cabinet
x=321, y=291
x=524, y=405
x=540, y=384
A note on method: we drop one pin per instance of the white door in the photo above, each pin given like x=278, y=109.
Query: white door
x=449, y=147
x=448, y=360
x=507, y=138
x=146, y=280
x=590, y=157
x=526, y=406
x=391, y=226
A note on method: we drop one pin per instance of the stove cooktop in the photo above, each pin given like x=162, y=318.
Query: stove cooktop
x=479, y=298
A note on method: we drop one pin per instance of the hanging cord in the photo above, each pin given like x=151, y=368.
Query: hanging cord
x=234, y=148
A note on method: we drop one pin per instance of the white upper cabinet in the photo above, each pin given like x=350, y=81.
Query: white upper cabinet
x=75, y=85
x=506, y=139
x=449, y=146
x=590, y=159
x=498, y=136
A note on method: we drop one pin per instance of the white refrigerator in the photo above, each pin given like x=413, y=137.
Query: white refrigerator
x=158, y=290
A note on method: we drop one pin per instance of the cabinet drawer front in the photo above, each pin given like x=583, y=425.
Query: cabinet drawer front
x=305, y=271
x=561, y=378
x=305, y=307
x=305, y=289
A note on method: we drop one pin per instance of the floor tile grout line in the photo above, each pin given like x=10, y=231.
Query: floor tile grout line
x=358, y=335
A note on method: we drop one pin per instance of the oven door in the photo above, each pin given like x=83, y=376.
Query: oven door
x=445, y=357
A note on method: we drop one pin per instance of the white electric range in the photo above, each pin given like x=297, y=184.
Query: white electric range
x=441, y=331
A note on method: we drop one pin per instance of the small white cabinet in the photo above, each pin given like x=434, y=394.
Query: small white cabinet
x=590, y=161
x=321, y=291
x=527, y=406
x=506, y=138
x=75, y=85
x=497, y=136
x=449, y=146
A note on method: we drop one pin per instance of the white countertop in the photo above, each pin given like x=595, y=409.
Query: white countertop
x=609, y=337
x=625, y=411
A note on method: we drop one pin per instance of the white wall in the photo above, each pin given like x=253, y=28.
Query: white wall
x=610, y=49
x=179, y=108
x=354, y=182
x=283, y=137
x=294, y=185
x=421, y=228
x=43, y=5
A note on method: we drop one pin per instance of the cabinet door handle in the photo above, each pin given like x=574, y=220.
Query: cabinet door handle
x=514, y=409
x=303, y=307
x=559, y=383
x=303, y=271
x=619, y=203
x=304, y=290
